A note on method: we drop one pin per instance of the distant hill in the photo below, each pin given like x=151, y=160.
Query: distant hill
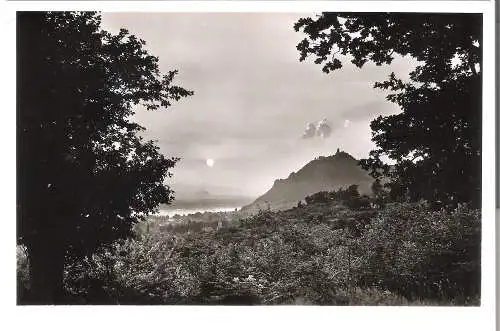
x=325, y=173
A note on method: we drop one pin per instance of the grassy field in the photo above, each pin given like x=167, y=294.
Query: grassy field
x=317, y=254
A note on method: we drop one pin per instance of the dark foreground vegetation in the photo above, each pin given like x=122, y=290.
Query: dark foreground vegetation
x=320, y=253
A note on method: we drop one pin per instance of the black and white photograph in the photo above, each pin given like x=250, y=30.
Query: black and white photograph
x=259, y=158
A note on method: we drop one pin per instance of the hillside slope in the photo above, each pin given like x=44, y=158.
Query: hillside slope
x=321, y=174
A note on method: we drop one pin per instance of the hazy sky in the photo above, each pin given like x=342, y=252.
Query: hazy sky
x=253, y=99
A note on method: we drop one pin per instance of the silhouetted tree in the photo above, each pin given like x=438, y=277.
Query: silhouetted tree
x=352, y=191
x=379, y=194
x=377, y=188
x=436, y=139
x=85, y=175
x=352, y=199
x=318, y=197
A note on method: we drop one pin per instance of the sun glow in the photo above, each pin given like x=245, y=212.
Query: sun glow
x=210, y=162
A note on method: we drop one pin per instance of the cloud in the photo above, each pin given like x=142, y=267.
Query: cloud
x=320, y=129
x=310, y=131
x=323, y=129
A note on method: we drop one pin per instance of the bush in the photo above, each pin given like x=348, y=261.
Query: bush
x=147, y=271
x=358, y=203
x=22, y=274
x=319, y=197
x=418, y=253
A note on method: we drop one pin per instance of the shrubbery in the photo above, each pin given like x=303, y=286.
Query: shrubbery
x=405, y=254
x=319, y=197
x=349, y=196
x=419, y=253
x=23, y=286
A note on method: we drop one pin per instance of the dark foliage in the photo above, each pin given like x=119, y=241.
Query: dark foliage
x=358, y=203
x=405, y=254
x=419, y=253
x=319, y=197
x=349, y=197
x=436, y=139
x=85, y=174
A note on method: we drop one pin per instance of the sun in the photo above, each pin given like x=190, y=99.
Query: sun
x=210, y=162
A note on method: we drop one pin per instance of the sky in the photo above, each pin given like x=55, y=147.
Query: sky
x=257, y=113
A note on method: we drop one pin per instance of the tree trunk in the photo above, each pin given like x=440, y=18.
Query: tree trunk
x=46, y=261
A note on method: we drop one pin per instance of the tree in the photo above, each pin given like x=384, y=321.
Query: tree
x=379, y=194
x=86, y=176
x=352, y=199
x=436, y=139
x=318, y=197
x=377, y=188
x=352, y=191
